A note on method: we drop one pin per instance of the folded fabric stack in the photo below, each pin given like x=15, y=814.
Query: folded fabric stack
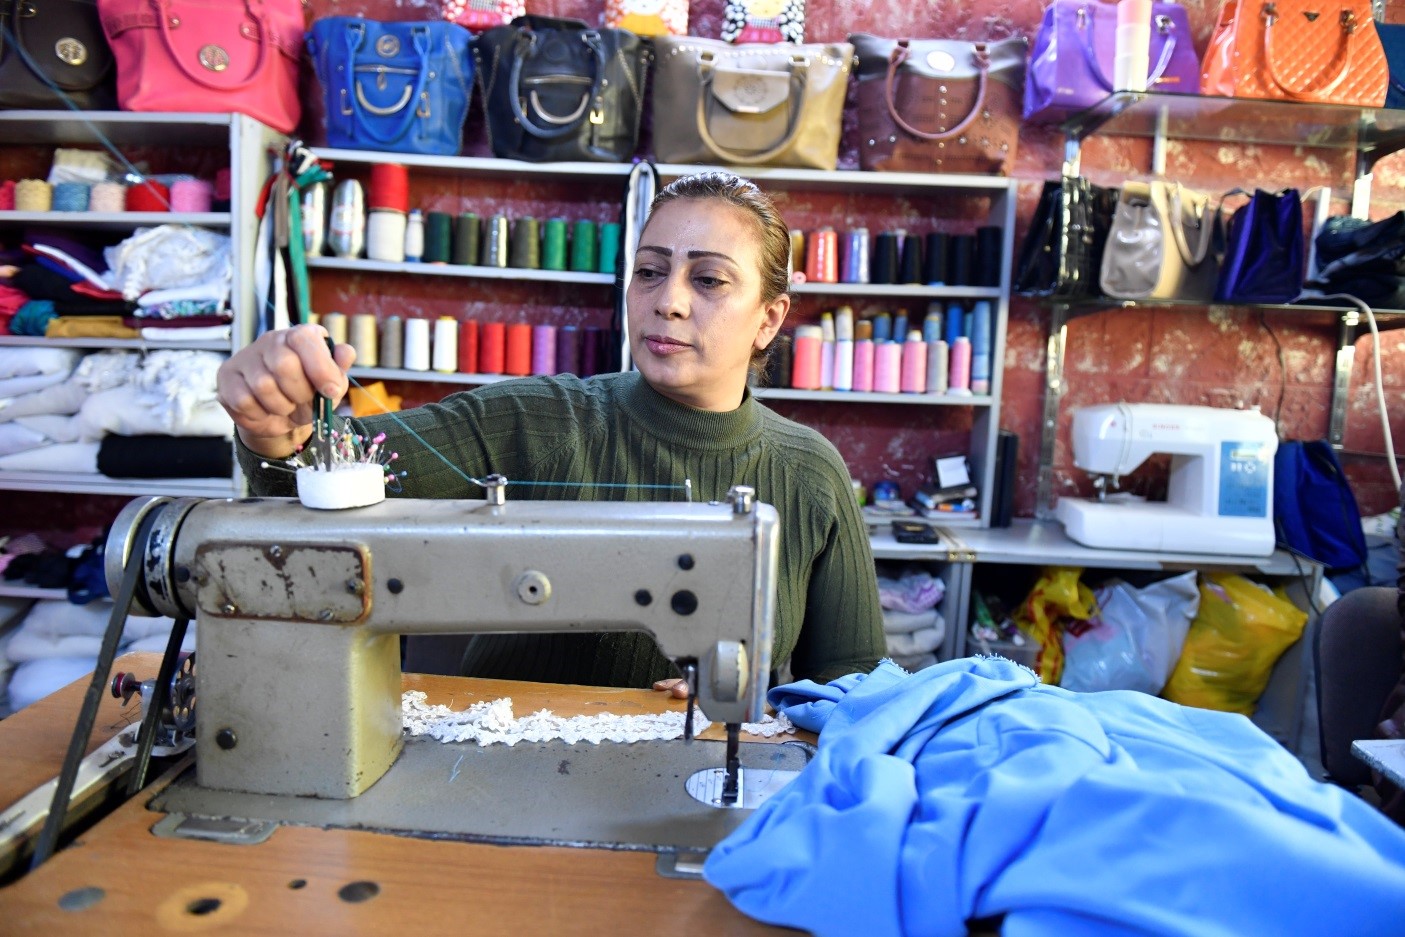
x=911, y=622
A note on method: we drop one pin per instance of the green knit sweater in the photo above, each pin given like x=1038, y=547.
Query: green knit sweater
x=616, y=428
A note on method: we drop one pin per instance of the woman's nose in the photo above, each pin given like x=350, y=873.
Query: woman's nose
x=671, y=300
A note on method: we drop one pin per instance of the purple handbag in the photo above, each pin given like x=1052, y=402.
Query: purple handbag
x=1264, y=247
x=1070, y=67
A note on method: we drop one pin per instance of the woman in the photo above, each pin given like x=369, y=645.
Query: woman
x=708, y=294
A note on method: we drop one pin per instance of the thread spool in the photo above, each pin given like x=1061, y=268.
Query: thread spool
x=34, y=195
x=863, y=328
x=192, y=195
x=543, y=349
x=525, y=252
x=222, y=188
x=899, y=331
x=932, y=324
x=568, y=350
x=959, y=375
x=844, y=364
x=392, y=342
x=863, y=365
x=844, y=323
x=856, y=259
x=7, y=195
x=797, y=252
x=913, y=379
x=961, y=249
x=445, y=350
x=346, y=226
x=389, y=187
x=884, y=268
x=466, y=249
x=584, y=256
x=438, y=237
x=938, y=356
x=149, y=195
x=980, y=348
x=911, y=267
x=417, y=344
x=107, y=197
x=805, y=365
x=385, y=235
x=955, y=324
x=519, y=350
x=468, y=346
x=934, y=259
x=610, y=233
x=882, y=327
x=989, y=245
x=492, y=348
x=826, y=351
x=887, y=367
x=70, y=196
x=414, y=237
x=336, y=325
x=591, y=353
x=361, y=335
x=554, y=244
x=495, y=242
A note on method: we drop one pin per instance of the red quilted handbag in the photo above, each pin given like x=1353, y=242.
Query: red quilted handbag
x=1326, y=51
x=208, y=56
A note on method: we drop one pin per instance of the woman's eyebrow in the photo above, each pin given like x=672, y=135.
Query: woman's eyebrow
x=692, y=255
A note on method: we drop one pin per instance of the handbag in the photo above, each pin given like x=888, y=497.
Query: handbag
x=1264, y=246
x=400, y=87
x=936, y=105
x=556, y=89
x=754, y=104
x=1314, y=510
x=1062, y=254
x=1071, y=64
x=648, y=17
x=52, y=50
x=1393, y=44
x=1298, y=50
x=200, y=56
x=1160, y=244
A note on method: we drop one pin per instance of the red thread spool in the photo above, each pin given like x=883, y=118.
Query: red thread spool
x=468, y=345
x=822, y=256
x=7, y=195
x=390, y=187
x=492, y=348
x=222, y=185
x=519, y=349
x=148, y=195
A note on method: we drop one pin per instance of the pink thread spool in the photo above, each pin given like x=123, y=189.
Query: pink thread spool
x=191, y=195
x=959, y=379
x=863, y=365
x=887, y=367
x=543, y=349
x=914, y=364
x=805, y=367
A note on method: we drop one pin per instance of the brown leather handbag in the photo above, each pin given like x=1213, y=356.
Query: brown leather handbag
x=1297, y=50
x=939, y=105
x=758, y=104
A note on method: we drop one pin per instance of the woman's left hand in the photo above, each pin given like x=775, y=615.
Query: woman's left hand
x=674, y=685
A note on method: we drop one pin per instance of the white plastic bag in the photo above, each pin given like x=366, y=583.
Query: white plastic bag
x=1135, y=640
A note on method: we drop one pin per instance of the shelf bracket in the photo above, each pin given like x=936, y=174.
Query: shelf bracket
x=1053, y=395
x=1341, y=380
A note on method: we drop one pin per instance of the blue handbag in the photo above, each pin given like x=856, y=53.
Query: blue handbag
x=1314, y=511
x=1393, y=40
x=1264, y=249
x=399, y=87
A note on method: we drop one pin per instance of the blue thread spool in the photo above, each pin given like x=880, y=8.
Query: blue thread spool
x=71, y=196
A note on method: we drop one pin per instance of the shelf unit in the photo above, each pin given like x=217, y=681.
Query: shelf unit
x=247, y=144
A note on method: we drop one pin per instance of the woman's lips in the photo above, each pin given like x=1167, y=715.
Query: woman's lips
x=662, y=345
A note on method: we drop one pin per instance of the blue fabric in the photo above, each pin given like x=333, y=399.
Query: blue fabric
x=969, y=790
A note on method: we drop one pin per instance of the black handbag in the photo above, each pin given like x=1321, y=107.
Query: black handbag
x=1063, y=251
x=557, y=90
x=52, y=46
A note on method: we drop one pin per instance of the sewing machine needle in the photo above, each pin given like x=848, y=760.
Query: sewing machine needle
x=731, y=788
x=690, y=674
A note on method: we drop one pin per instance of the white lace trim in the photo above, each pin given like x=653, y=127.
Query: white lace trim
x=493, y=722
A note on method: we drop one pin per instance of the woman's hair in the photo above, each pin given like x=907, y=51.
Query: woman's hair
x=743, y=193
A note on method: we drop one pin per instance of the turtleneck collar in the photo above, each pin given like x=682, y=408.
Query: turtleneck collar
x=680, y=424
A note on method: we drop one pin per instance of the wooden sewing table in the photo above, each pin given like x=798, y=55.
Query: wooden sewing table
x=309, y=881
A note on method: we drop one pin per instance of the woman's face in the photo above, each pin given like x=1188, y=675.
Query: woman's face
x=695, y=310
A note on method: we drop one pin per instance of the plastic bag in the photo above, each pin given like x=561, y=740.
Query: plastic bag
x=1239, y=633
x=1058, y=595
x=1135, y=639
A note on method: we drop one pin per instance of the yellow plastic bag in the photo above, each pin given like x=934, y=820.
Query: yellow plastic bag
x=372, y=399
x=1058, y=595
x=1239, y=633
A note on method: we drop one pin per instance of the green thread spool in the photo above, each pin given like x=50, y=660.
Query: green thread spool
x=554, y=244
x=526, y=244
x=437, y=225
x=609, y=247
x=583, y=247
x=466, y=239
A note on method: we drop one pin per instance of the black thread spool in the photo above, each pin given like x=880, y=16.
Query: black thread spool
x=989, y=244
x=960, y=259
x=911, y=267
x=884, y=267
x=934, y=259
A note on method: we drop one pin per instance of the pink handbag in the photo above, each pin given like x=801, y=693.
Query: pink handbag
x=208, y=56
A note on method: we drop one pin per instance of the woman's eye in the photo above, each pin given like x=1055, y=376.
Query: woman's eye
x=709, y=282
x=646, y=273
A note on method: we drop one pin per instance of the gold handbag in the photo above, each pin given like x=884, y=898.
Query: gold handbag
x=757, y=104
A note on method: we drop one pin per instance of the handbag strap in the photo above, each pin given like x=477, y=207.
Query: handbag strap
x=900, y=54
x=795, y=62
x=254, y=8
x=1192, y=256
x=525, y=47
x=1164, y=25
x=1348, y=21
x=355, y=39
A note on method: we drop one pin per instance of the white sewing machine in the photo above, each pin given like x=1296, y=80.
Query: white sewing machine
x=1220, y=495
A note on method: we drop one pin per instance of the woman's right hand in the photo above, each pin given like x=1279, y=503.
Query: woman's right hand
x=267, y=387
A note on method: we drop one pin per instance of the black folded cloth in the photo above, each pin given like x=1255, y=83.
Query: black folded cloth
x=48, y=569
x=156, y=456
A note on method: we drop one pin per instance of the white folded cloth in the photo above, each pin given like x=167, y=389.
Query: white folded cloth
x=918, y=642
x=895, y=622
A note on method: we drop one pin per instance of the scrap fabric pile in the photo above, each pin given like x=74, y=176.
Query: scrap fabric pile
x=971, y=791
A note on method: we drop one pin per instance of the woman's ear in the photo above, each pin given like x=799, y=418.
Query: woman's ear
x=773, y=316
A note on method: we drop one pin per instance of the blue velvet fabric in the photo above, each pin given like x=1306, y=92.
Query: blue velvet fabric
x=969, y=790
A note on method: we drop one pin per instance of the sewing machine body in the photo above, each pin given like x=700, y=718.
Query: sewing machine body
x=1220, y=492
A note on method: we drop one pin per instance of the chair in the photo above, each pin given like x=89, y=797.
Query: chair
x=1357, y=656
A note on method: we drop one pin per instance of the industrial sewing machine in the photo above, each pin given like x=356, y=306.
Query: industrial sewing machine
x=299, y=687
x=1220, y=493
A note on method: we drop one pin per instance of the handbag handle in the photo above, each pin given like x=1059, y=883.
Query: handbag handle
x=1348, y=21
x=567, y=124
x=726, y=156
x=1164, y=25
x=254, y=8
x=1191, y=257
x=899, y=55
x=355, y=38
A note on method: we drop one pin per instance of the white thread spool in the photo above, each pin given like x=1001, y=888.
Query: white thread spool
x=352, y=485
x=385, y=235
x=446, y=344
x=416, y=345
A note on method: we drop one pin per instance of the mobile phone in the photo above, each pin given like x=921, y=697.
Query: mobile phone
x=915, y=532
